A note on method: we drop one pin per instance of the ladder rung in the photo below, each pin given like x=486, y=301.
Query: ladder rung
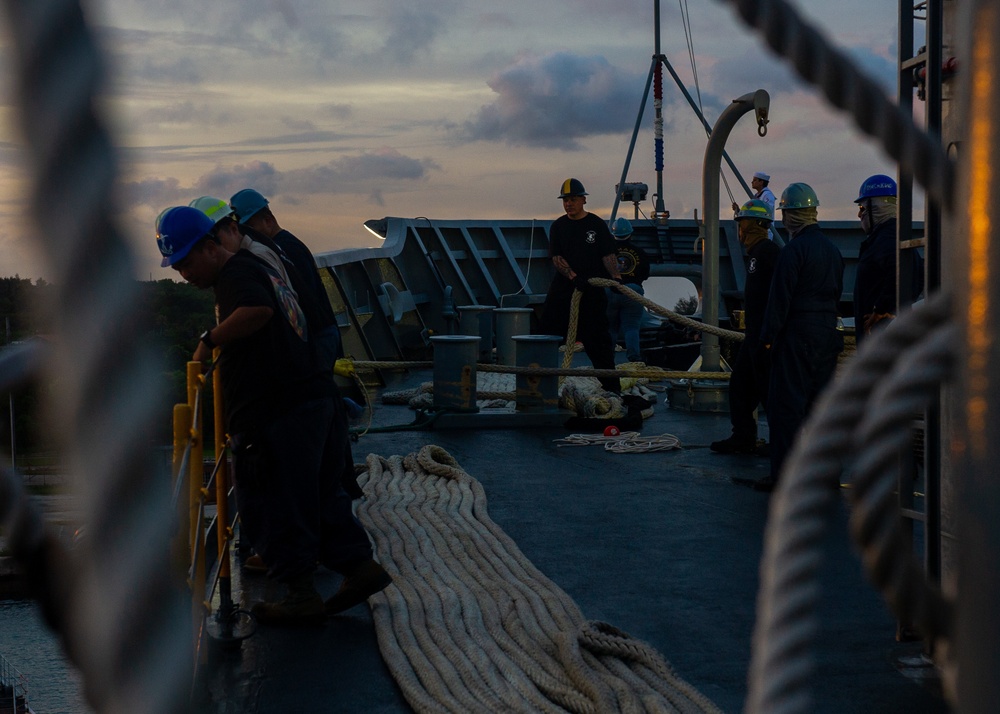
x=916, y=61
x=912, y=514
x=912, y=243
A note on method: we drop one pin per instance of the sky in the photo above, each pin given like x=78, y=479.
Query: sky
x=342, y=111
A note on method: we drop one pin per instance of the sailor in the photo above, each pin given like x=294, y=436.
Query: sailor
x=280, y=407
x=624, y=313
x=799, y=334
x=748, y=383
x=875, y=277
x=582, y=247
x=761, y=192
x=232, y=239
x=759, y=183
x=298, y=299
x=252, y=210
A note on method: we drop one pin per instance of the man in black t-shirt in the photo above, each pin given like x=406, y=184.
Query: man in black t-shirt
x=253, y=211
x=281, y=418
x=582, y=247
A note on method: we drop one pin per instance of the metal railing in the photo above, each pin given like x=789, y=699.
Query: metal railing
x=13, y=689
x=191, y=547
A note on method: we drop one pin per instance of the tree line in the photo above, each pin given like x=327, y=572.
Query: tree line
x=172, y=316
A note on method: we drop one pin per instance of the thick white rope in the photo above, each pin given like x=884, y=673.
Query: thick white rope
x=627, y=442
x=470, y=625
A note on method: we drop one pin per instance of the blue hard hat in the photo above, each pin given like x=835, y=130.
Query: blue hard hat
x=180, y=228
x=572, y=187
x=798, y=195
x=621, y=228
x=246, y=203
x=875, y=186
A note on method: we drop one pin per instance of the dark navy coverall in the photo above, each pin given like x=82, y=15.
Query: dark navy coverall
x=748, y=382
x=800, y=325
x=875, y=281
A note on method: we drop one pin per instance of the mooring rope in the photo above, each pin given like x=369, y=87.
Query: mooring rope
x=669, y=314
x=852, y=417
x=470, y=625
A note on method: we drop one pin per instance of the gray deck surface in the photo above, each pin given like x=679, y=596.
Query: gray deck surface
x=660, y=545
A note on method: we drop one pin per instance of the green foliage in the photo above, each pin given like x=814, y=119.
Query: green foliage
x=687, y=306
x=171, y=316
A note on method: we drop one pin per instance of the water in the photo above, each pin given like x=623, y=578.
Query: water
x=31, y=648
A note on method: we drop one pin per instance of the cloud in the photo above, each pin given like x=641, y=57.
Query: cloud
x=410, y=32
x=337, y=111
x=370, y=173
x=156, y=192
x=347, y=174
x=555, y=101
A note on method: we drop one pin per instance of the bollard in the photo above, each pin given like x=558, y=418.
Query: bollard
x=511, y=321
x=537, y=393
x=455, y=371
x=478, y=320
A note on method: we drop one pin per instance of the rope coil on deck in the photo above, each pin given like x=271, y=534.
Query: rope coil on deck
x=470, y=625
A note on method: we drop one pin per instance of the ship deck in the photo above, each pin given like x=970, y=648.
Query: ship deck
x=661, y=545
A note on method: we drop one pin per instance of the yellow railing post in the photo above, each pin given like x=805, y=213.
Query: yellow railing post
x=182, y=433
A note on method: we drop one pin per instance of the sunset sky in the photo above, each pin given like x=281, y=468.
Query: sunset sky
x=343, y=111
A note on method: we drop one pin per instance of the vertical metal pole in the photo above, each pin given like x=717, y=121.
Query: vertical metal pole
x=221, y=492
x=13, y=430
x=932, y=282
x=659, y=208
x=975, y=438
x=759, y=100
x=904, y=231
x=196, y=474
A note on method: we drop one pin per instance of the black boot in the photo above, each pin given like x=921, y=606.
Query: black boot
x=734, y=445
x=302, y=605
x=360, y=583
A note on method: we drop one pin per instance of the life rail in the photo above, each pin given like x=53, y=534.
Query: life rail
x=191, y=543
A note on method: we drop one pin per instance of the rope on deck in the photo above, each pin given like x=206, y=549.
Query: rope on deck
x=470, y=625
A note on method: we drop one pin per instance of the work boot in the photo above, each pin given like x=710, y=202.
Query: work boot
x=302, y=605
x=254, y=565
x=360, y=583
x=734, y=445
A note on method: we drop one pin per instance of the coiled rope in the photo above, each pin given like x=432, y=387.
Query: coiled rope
x=470, y=625
x=115, y=601
x=867, y=410
x=628, y=442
